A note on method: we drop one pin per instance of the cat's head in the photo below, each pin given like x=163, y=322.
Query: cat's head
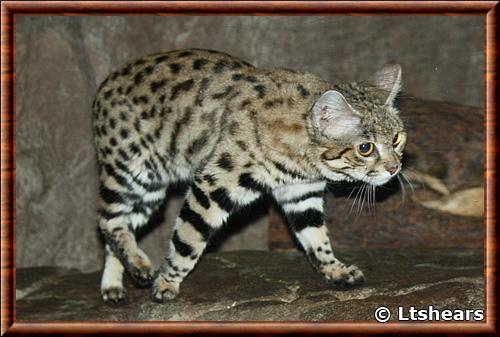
x=358, y=130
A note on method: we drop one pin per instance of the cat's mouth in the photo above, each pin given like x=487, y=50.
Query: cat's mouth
x=378, y=180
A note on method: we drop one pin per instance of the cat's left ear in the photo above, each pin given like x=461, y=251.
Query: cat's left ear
x=334, y=117
x=388, y=78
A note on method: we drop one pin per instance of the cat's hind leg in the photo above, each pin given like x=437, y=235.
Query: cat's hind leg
x=207, y=205
x=126, y=204
x=199, y=218
x=302, y=205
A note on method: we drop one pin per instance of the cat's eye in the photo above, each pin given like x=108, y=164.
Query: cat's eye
x=397, y=139
x=366, y=149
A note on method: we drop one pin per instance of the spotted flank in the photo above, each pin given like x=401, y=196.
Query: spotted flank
x=235, y=133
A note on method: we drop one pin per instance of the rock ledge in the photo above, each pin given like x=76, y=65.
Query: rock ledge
x=258, y=285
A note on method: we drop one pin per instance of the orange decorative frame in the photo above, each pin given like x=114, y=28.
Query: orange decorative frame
x=10, y=9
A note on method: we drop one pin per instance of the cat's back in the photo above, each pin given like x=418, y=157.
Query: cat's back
x=165, y=102
x=164, y=76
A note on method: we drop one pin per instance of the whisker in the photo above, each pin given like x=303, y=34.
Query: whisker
x=370, y=202
x=363, y=199
x=369, y=198
x=403, y=194
x=353, y=189
x=354, y=202
x=374, y=199
x=409, y=182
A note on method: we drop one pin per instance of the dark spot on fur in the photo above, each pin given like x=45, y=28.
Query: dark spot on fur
x=198, y=144
x=126, y=71
x=124, y=133
x=201, y=91
x=225, y=162
x=139, y=77
x=179, y=124
x=161, y=58
x=233, y=128
x=143, y=99
x=236, y=65
x=123, y=116
x=261, y=90
x=123, y=154
x=175, y=68
x=246, y=181
x=303, y=91
x=219, y=67
x=242, y=145
x=224, y=93
x=209, y=179
x=134, y=148
x=138, y=63
x=107, y=94
x=199, y=63
x=156, y=85
x=272, y=103
x=183, y=86
x=185, y=53
x=245, y=103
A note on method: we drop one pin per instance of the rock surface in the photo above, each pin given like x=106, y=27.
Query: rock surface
x=258, y=285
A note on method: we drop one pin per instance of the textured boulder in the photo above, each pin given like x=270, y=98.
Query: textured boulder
x=258, y=285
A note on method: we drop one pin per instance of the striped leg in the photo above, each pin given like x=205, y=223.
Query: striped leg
x=303, y=208
x=124, y=207
x=205, y=210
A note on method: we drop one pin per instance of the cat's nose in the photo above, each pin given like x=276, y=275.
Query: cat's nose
x=392, y=169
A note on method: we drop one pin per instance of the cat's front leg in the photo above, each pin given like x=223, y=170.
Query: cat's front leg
x=320, y=253
x=302, y=205
x=112, y=289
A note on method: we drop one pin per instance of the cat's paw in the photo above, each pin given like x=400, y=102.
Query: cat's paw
x=113, y=295
x=343, y=275
x=163, y=290
x=141, y=269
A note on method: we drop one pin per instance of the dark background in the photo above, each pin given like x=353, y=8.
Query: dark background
x=60, y=62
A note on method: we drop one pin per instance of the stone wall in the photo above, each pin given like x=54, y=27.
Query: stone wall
x=60, y=62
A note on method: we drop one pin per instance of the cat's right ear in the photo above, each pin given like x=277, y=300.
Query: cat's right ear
x=334, y=117
x=388, y=78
